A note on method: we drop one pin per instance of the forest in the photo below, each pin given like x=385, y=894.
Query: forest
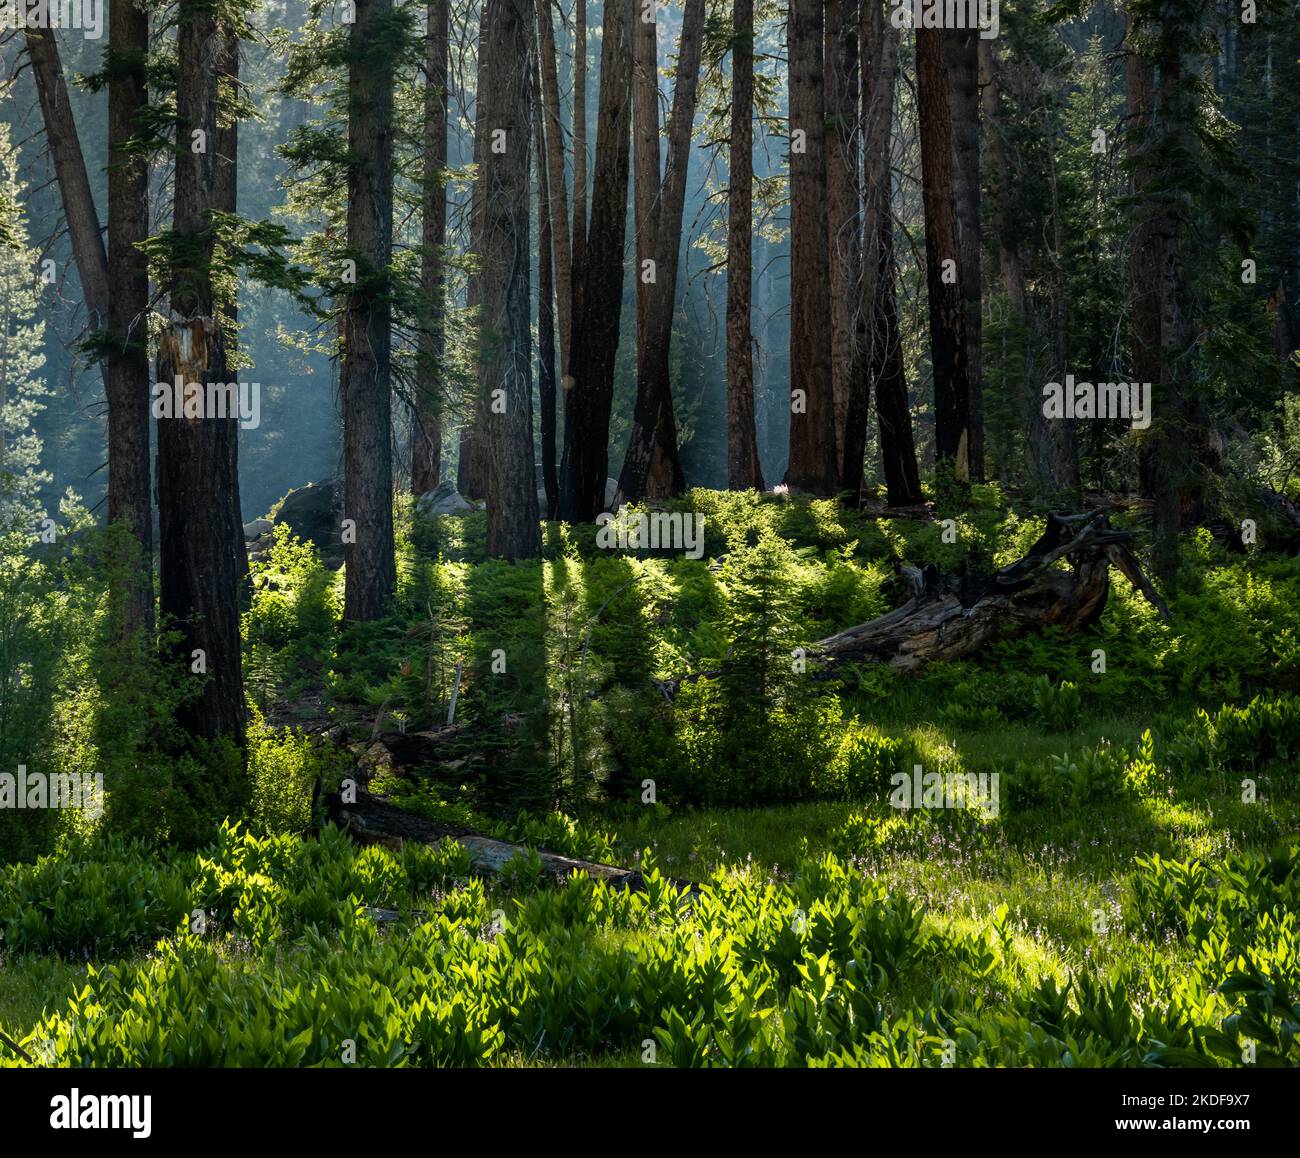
x=650, y=533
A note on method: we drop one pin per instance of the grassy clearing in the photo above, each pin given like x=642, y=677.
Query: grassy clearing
x=1127, y=902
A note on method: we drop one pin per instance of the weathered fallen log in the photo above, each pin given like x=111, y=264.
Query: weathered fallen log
x=370, y=820
x=952, y=616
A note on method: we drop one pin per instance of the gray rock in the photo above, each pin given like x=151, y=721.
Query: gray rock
x=256, y=529
x=312, y=515
x=611, y=493
x=444, y=499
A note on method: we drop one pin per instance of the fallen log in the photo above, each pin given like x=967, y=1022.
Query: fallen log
x=950, y=616
x=370, y=820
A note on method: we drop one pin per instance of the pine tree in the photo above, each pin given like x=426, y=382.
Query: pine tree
x=21, y=359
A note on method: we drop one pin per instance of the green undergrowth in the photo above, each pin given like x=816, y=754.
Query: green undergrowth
x=826, y=965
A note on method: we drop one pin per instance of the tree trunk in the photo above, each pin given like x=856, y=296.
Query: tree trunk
x=652, y=466
x=1144, y=259
x=879, y=293
x=813, y=466
x=365, y=378
x=471, y=466
x=225, y=196
x=426, y=430
x=647, y=207
x=893, y=414
x=127, y=373
x=117, y=321
x=505, y=341
x=596, y=323
x=70, y=168
x=559, y=199
x=952, y=418
x=372, y=820
x=1059, y=451
x=843, y=225
x=201, y=542
x=744, y=471
x=545, y=297
x=1010, y=260
x=579, y=231
x=961, y=55
x=1011, y=267
x=1187, y=453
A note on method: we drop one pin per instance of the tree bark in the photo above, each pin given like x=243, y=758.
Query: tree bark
x=503, y=247
x=546, y=381
x=366, y=372
x=961, y=55
x=471, y=464
x=812, y=466
x=79, y=210
x=1011, y=266
x=201, y=542
x=1051, y=452
x=1187, y=453
x=843, y=240
x=879, y=292
x=652, y=466
x=952, y=417
x=1010, y=259
x=596, y=323
x=559, y=198
x=118, y=319
x=1060, y=447
x=744, y=471
x=1144, y=259
x=647, y=206
x=127, y=372
x=426, y=430
x=579, y=232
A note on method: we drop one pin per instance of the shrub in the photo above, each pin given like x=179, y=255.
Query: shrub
x=1056, y=707
x=828, y=968
x=102, y=900
x=1265, y=729
x=289, y=626
x=284, y=765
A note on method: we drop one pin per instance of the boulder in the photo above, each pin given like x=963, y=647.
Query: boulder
x=256, y=529
x=311, y=513
x=444, y=499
